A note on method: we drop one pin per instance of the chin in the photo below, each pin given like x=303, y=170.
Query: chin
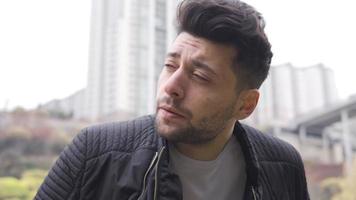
x=173, y=131
x=165, y=130
x=169, y=132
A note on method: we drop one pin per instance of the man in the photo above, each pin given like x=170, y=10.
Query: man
x=194, y=147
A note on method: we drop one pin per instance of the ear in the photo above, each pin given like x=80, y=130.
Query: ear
x=247, y=103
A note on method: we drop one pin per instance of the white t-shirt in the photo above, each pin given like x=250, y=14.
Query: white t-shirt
x=223, y=178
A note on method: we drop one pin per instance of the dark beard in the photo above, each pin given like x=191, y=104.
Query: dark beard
x=206, y=130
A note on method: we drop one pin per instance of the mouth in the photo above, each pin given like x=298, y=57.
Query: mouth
x=171, y=112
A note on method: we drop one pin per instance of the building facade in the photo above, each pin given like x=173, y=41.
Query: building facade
x=290, y=92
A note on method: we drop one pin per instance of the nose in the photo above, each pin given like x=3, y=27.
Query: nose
x=174, y=85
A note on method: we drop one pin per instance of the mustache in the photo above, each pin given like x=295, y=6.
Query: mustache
x=167, y=101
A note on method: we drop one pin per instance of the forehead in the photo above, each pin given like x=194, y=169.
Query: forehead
x=196, y=47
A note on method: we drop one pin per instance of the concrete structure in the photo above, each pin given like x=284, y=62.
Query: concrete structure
x=334, y=125
x=301, y=106
x=128, y=44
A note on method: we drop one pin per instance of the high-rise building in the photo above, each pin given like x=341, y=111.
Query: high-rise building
x=128, y=43
x=315, y=88
x=283, y=91
x=290, y=92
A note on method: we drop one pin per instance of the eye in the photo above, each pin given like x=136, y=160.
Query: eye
x=170, y=67
x=200, y=77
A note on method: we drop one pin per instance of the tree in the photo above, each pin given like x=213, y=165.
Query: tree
x=13, y=189
x=32, y=179
x=25, y=188
x=341, y=188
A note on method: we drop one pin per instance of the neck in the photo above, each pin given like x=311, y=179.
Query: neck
x=209, y=150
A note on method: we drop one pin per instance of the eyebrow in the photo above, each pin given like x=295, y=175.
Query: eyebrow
x=173, y=55
x=196, y=63
x=202, y=65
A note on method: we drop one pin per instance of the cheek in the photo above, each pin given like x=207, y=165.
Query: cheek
x=160, y=79
x=203, y=105
x=207, y=104
x=160, y=82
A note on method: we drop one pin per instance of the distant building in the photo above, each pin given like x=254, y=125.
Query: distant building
x=315, y=88
x=291, y=91
x=128, y=43
x=71, y=106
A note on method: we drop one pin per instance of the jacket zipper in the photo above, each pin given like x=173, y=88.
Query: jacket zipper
x=156, y=172
x=156, y=175
x=254, y=193
x=144, y=178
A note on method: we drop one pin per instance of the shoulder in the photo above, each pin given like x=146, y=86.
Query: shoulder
x=270, y=149
x=124, y=136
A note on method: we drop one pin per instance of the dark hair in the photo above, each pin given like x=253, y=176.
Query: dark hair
x=231, y=22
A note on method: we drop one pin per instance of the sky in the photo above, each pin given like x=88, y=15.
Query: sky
x=44, y=44
x=43, y=50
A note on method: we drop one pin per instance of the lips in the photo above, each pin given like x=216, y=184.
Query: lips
x=171, y=112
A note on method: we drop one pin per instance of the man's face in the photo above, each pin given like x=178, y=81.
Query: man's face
x=196, y=96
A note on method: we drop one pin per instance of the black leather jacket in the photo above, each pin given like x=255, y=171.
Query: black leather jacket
x=129, y=161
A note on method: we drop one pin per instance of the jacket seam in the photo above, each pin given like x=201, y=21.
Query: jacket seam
x=47, y=194
x=80, y=172
x=120, y=151
x=62, y=179
x=280, y=162
x=51, y=188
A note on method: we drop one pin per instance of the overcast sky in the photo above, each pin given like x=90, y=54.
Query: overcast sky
x=44, y=44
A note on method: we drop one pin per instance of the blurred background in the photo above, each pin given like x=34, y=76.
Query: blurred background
x=68, y=64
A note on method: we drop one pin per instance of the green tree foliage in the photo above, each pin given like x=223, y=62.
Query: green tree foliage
x=30, y=155
x=21, y=189
x=12, y=163
x=13, y=189
x=30, y=141
x=20, y=149
x=32, y=179
x=341, y=188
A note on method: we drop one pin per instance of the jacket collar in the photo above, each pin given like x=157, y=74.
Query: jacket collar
x=245, y=136
x=248, y=150
x=252, y=188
